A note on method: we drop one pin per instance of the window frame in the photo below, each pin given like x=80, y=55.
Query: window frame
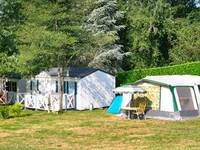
x=193, y=100
x=11, y=86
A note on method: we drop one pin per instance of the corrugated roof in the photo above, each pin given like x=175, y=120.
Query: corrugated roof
x=174, y=80
x=73, y=72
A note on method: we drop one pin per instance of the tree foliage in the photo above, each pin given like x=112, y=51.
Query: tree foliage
x=51, y=39
x=10, y=18
x=104, y=24
x=38, y=34
x=160, y=31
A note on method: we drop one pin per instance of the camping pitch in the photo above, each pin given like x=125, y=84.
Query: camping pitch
x=174, y=97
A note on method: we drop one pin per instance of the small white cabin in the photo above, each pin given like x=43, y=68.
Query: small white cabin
x=83, y=88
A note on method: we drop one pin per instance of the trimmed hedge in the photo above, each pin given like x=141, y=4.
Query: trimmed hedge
x=134, y=75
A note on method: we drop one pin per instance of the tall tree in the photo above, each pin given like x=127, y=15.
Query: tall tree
x=10, y=17
x=104, y=25
x=186, y=47
x=60, y=22
x=52, y=39
x=149, y=32
x=61, y=18
x=156, y=31
x=181, y=8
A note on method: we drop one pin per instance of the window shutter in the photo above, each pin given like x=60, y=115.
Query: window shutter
x=65, y=87
x=31, y=85
x=75, y=87
x=56, y=86
x=37, y=85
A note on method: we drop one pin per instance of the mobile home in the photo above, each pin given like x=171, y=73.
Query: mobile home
x=83, y=88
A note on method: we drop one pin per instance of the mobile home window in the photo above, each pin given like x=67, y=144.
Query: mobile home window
x=199, y=88
x=72, y=87
x=68, y=87
x=34, y=85
x=185, y=98
x=14, y=86
x=65, y=87
x=11, y=86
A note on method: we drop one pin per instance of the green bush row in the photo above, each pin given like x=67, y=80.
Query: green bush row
x=134, y=75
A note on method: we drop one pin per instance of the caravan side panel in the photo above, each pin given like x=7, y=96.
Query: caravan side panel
x=127, y=97
x=95, y=91
x=166, y=101
x=197, y=91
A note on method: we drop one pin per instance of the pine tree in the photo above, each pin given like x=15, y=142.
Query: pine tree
x=50, y=40
x=104, y=25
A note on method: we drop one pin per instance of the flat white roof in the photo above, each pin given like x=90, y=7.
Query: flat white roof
x=128, y=89
x=174, y=80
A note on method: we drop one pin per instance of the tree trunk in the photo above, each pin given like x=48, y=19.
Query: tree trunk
x=60, y=88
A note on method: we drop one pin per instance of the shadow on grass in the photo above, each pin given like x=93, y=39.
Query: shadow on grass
x=15, y=116
x=21, y=115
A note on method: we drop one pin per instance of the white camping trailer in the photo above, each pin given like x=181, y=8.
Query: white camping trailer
x=172, y=96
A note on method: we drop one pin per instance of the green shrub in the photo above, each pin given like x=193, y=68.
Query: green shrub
x=16, y=109
x=134, y=75
x=5, y=113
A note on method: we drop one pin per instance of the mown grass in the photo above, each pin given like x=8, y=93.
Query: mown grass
x=95, y=130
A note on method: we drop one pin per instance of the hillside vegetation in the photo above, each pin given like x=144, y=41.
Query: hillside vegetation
x=112, y=35
x=134, y=75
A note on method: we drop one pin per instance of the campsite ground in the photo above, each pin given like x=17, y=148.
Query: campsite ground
x=95, y=130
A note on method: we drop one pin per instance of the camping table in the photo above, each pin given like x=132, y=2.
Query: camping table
x=129, y=110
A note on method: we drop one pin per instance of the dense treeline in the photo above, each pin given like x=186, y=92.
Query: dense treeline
x=113, y=35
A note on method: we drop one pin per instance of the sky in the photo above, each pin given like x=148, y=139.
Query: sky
x=198, y=3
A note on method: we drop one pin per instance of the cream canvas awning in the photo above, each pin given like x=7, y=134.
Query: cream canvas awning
x=128, y=89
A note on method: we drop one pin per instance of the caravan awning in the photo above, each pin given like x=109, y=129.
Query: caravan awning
x=172, y=80
x=128, y=89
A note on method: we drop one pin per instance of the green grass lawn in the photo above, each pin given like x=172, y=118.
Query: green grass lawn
x=95, y=130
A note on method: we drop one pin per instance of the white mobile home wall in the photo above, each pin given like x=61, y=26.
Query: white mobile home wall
x=166, y=100
x=197, y=91
x=166, y=103
x=45, y=91
x=95, y=90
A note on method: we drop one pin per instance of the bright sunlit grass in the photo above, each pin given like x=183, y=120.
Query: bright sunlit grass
x=95, y=130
